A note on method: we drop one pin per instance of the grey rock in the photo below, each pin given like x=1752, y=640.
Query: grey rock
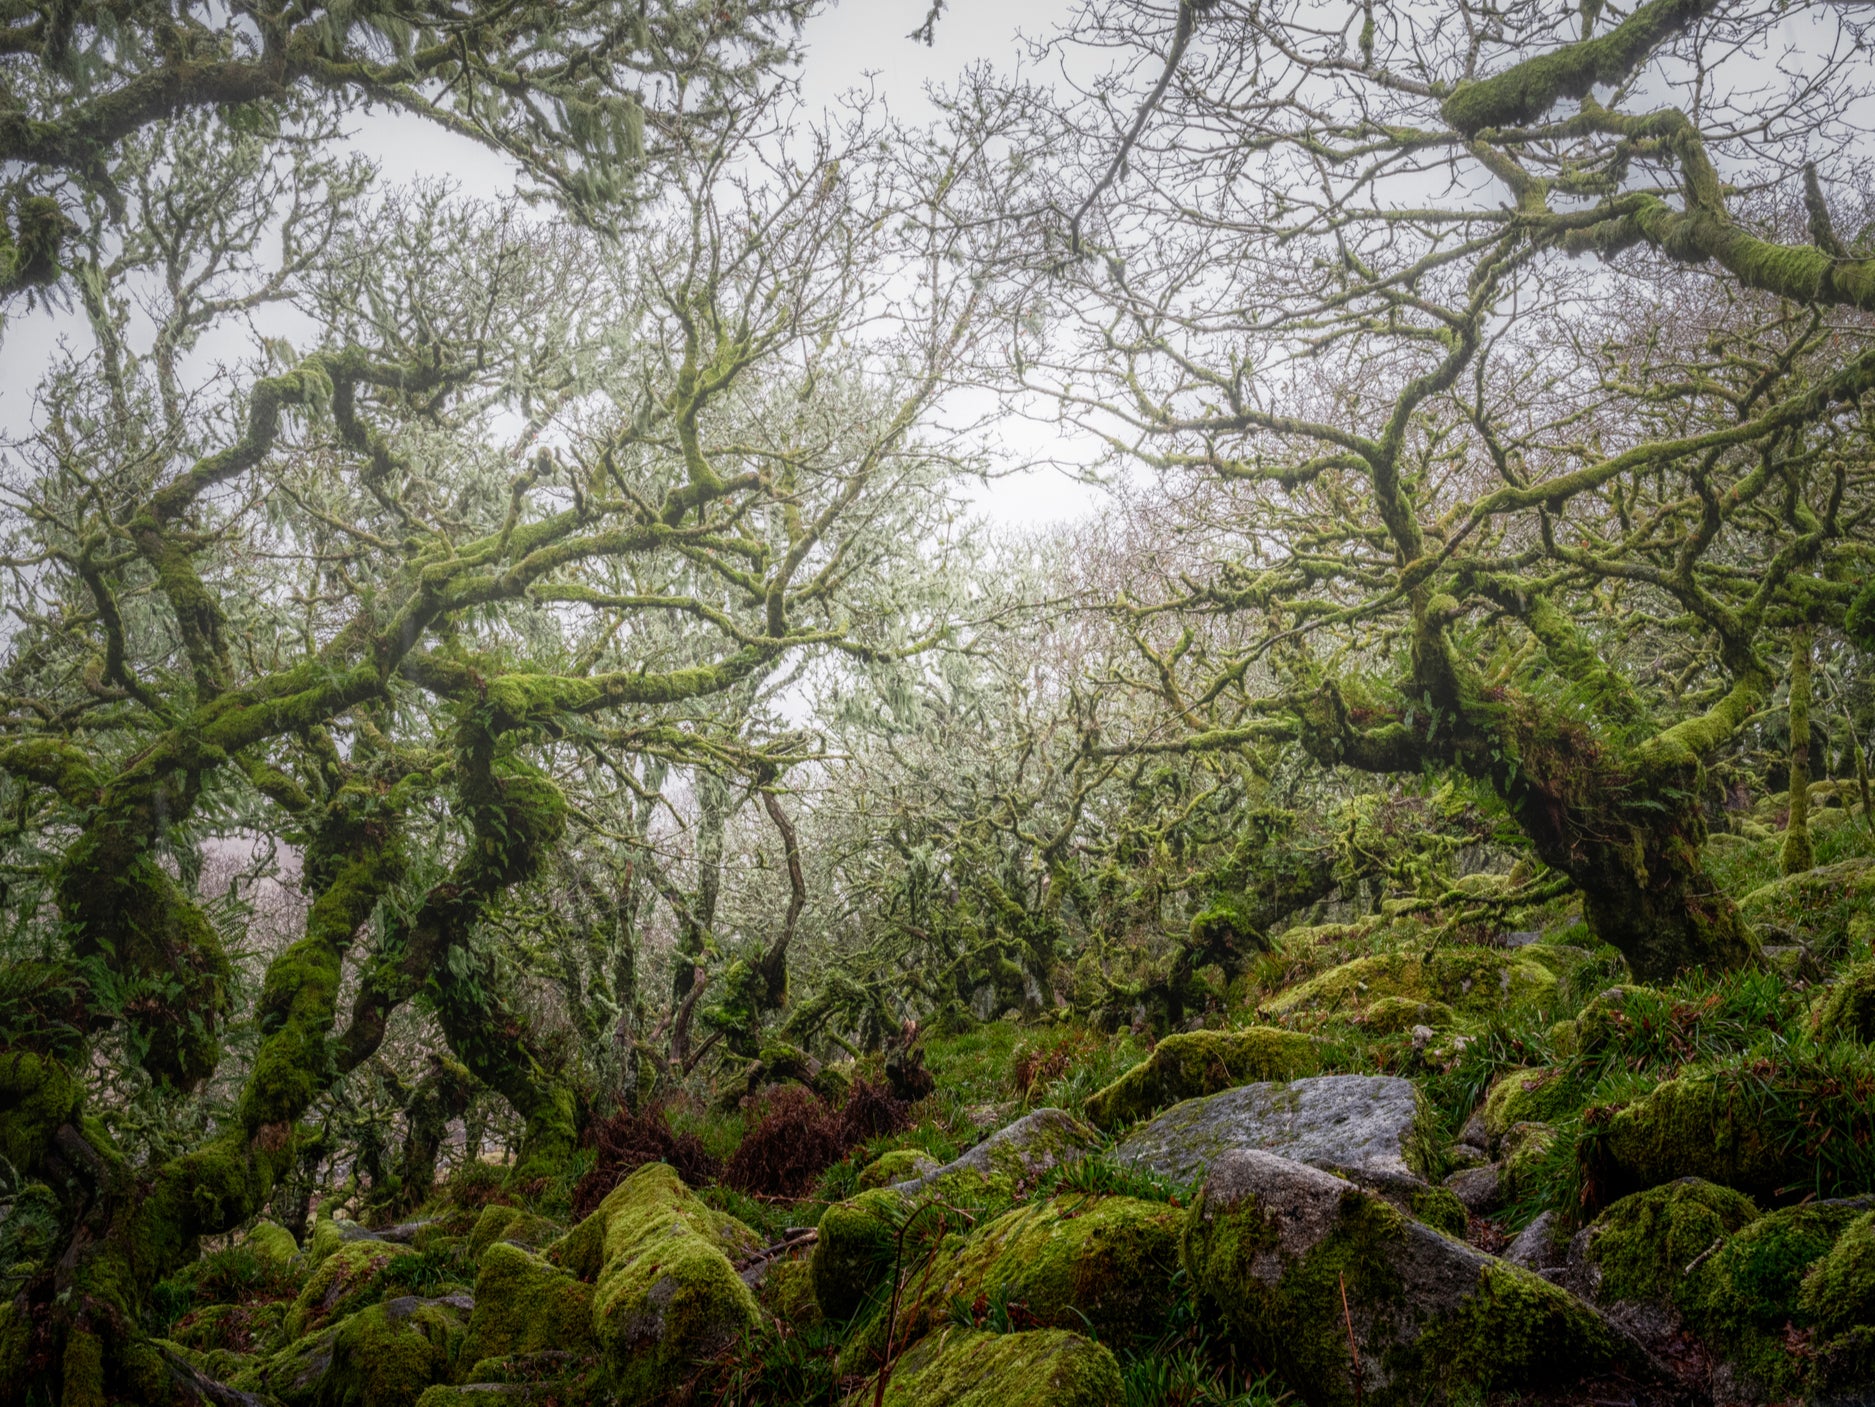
x=1254, y=1245
x=1370, y=1127
x=1462, y=1155
x=1024, y=1150
x=1522, y=938
x=1475, y=1133
x=1535, y=1248
x=1477, y=1188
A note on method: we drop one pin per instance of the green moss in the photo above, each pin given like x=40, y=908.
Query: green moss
x=1746, y=1298
x=1391, y=1015
x=1768, y=1124
x=36, y=1096
x=386, y=1355
x=1523, y=1167
x=1472, y=981
x=1301, y=1265
x=324, y=1238
x=525, y=1305
x=512, y=1224
x=854, y=1251
x=1839, y=1291
x=272, y=1242
x=1440, y=1209
x=899, y=1165
x=1040, y=1368
x=666, y=1297
x=347, y=1279
x=1828, y=910
x=1197, y=1063
x=1104, y=1264
x=787, y=1292
x=1847, y=1010
x=1643, y=1244
x=1528, y=1096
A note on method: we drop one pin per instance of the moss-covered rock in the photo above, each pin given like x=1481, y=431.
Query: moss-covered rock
x=786, y=1290
x=1197, y=1063
x=1524, y=1164
x=1753, y=1126
x=1827, y=910
x=1377, y=1129
x=1000, y=1169
x=384, y=1355
x=271, y=1242
x=1640, y=1248
x=666, y=1297
x=1528, y=1097
x=1301, y=1263
x=899, y=1165
x=513, y=1225
x=344, y=1281
x=1391, y=1015
x=1440, y=1208
x=1104, y=1264
x=231, y=1328
x=1473, y=982
x=968, y=1368
x=854, y=1252
x=1747, y=1301
x=1847, y=1008
x=525, y=1305
x=1838, y=1294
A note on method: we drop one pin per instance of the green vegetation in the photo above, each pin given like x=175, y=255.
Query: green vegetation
x=556, y=845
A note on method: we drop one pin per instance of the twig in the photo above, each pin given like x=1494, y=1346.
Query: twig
x=1703, y=1256
x=1354, y=1352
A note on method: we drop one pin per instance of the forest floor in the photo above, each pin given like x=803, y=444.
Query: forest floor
x=1597, y=1192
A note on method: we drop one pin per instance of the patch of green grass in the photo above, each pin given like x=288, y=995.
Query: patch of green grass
x=974, y=1068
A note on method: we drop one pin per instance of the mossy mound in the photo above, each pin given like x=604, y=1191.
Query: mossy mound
x=899, y=1165
x=666, y=1297
x=1473, y=982
x=786, y=1291
x=1828, y=909
x=1038, y=1368
x=1640, y=1248
x=1392, y=1015
x=854, y=1252
x=1000, y=1170
x=1104, y=1264
x=513, y=1225
x=230, y=1328
x=385, y=1355
x=1747, y=1300
x=1196, y=1063
x=1526, y=1096
x=344, y=1281
x=1838, y=1294
x=271, y=1241
x=525, y=1305
x=1847, y=1010
x=1302, y=1264
x=1523, y=1166
x=1770, y=1126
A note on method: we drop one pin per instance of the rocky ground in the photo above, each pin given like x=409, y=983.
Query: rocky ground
x=1397, y=1165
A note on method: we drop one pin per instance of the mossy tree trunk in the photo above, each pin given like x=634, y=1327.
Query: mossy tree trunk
x=1798, y=855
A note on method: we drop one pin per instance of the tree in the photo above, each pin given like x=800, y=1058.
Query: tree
x=530, y=497
x=1539, y=521
x=581, y=96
